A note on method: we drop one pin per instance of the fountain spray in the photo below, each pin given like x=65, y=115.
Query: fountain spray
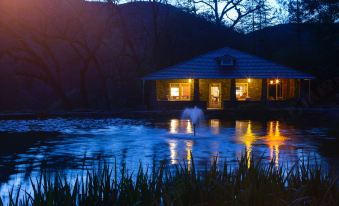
x=194, y=114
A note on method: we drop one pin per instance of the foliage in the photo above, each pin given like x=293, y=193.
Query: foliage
x=315, y=11
x=250, y=183
x=224, y=12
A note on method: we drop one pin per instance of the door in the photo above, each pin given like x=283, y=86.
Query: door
x=215, y=96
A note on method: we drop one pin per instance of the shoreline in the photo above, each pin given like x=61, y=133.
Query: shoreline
x=229, y=113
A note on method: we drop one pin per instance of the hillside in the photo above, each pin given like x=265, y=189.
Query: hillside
x=313, y=48
x=92, y=55
x=77, y=55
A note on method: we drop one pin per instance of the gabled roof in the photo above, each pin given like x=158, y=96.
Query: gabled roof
x=246, y=66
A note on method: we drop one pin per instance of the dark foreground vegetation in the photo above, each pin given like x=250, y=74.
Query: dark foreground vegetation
x=250, y=183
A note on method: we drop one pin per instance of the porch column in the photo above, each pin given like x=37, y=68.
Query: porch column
x=196, y=92
x=232, y=94
x=264, y=91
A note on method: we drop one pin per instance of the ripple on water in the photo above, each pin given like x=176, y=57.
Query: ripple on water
x=70, y=144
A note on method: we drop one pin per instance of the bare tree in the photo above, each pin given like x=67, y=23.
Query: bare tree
x=87, y=46
x=35, y=45
x=263, y=17
x=227, y=11
x=33, y=48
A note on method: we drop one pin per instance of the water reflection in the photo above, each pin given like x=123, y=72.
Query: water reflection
x=274, y=140
x=215, y=126
x=247, y=132
x=246, y=136
x=174, y=126
x=189, y=145
x=180, y=126
x=173, y=151
x=64, y=142
x=189, y=127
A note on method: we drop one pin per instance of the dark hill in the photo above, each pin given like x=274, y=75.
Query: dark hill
x=313, y=48
x=76, y=54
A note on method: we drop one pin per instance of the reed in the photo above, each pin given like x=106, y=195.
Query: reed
x=249, y=183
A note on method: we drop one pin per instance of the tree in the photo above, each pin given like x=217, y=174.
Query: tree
x=322, y=11
x=32, y=48
x=228, y=12
x=311, y=11
x=264, y=16
x=187, y=6
x=54, y=44
x=86, y=46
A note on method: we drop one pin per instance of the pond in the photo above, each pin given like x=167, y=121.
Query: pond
x=73, y=144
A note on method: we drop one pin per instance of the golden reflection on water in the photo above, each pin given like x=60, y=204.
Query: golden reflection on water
x=274, y=140
x=174, y=126
x=215, y=126
x=244, y=132
x=173, y=151
x=178, y=126
x=246, y=135
x=189, y=145
x=189, y=129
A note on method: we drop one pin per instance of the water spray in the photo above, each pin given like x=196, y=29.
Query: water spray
x=194, y=114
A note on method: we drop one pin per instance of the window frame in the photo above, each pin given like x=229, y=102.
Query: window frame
x=278, y=87
x=241, y=83
x=180, y=85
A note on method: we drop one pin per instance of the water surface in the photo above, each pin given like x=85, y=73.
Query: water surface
x=71, y=145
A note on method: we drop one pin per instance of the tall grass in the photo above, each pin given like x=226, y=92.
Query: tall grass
x=251, y=183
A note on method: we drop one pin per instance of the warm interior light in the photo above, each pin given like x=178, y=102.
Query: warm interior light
x=271, y=81
x=174, y=91
x=277, y=81
x=249, y=80
x=189, y=80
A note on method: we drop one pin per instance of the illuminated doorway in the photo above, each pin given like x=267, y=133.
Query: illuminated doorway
x=215, y=96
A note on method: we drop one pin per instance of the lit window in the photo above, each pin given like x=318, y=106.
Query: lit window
x=180, y=91
x=186, y=91
x=241, y=91
x=174, y=92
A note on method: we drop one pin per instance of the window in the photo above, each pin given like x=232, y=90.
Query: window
x=175, y=92
x=275, y=89
x=241, y=91
x=180, y=92
x=226, y=61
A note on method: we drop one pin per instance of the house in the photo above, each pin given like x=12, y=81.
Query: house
x=223, y=77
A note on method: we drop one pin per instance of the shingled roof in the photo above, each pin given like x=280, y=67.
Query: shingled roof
x=246, y=66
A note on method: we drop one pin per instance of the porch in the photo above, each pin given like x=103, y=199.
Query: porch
x=223, y=93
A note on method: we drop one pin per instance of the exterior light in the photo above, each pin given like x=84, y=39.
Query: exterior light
x=277, y=81
x=271, y=81
x=249, y=80
x=189, y=80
